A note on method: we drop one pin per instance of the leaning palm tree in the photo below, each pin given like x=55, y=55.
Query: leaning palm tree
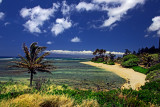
x=32, y=62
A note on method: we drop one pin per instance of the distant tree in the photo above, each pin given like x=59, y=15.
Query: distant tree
x=96, y=52
x=134, y=52
x=152, y=49
x=111, y=56
x=102, y=52
x=146, y=50
x=32, y=62
x=127, y=52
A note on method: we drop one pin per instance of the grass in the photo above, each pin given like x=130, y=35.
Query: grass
x=140, y=69
x=49, y=95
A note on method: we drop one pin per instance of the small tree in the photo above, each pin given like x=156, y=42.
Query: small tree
x=32, y=62
x=146, y=59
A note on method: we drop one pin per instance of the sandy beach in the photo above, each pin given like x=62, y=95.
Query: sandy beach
x=134, y=79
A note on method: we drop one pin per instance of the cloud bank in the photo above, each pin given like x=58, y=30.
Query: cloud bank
x=79, y=52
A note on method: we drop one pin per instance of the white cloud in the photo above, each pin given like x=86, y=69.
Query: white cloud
x=116, y=13
x=84, y=52
x=0, y=1
x=75, y=39
x=49, y=43
x=115, y=9
x=1, y=15
x=37, y=16
x=155, y=26
x=7, y=23
x=61, y=25
x=65, y=8
x=146, y=36
x=87, y=6
x=71, y=52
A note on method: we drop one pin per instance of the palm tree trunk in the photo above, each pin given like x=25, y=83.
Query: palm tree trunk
x=31, y=78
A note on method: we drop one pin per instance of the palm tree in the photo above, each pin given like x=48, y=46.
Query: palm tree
x=32, y=62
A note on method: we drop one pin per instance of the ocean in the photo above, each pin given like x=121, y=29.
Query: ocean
x=69, y=71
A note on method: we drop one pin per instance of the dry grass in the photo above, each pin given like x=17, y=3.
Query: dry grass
x=37, y=100
x=11, y=88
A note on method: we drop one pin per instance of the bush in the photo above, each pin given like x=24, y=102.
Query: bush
x=128, y=57
x=110, y=62
x=154, y=67
x=140, y=69
x=154, y=85
x=130, y=63
x=153, y=75
x=100, y=60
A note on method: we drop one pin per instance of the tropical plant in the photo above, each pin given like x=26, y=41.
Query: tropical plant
x=112, y=56
x=146, y=59
x=32, y=62
x=96, y=52
x=130, y=63
x=153, y=75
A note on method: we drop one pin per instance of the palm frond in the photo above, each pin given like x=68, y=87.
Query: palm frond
x=23, y=59
x=27, y=54
x=39, y=50
x=33, y=49
x=41, y=57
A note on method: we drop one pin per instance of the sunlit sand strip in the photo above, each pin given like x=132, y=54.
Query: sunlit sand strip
x=134, y=79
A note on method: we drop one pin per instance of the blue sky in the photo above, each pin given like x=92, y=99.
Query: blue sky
x=75, y=26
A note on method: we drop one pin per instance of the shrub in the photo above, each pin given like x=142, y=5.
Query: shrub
x=130, y=63
x=100, y=60
x=153, y=75
x=130, y=56
x=140, y=69
x=154, y=67
x=110, y=62
x=154, y=85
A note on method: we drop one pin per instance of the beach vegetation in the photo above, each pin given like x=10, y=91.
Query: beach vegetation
x=146, y=59
x=153, y=75
x=52, y=95
x=140, y=69
x=130, y=63
x=31, y=62
x=155, y=67
x=111, y=62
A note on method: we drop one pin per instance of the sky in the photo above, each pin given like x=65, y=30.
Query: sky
x=78, y=26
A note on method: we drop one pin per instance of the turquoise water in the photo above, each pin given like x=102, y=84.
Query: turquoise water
x=69, y=71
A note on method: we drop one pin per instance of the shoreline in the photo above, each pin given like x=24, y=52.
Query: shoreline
x=133, y=79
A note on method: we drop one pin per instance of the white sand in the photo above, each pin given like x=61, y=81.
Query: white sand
x=134, y=79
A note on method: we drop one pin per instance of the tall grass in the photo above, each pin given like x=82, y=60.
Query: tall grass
x=49, y=95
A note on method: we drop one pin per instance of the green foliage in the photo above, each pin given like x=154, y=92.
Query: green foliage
x=153, y=75
x=140, y=69
x=152, y=86
x=130, y=63
x=154, y=67
x=110, y=62
x=130, y=56
x=100, y=60
x=126, y=97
